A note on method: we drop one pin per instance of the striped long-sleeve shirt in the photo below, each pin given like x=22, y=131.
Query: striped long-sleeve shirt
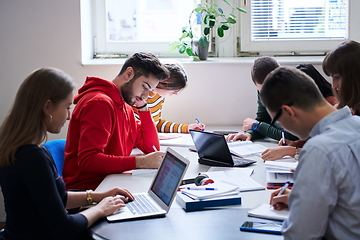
x=155, y=104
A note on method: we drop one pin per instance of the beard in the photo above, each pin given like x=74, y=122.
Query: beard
x=127, y=93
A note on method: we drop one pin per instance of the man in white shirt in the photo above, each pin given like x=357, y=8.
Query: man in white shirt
x=325, y=199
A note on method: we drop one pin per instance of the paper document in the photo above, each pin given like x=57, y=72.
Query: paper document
x=167, y=136
x=278, y=165
x=183, y=140
x=143, y=172
x=245, y=148
x=221, y=189
x=234, y=176
x=242, y=171
x=267, y=211
x=279, y=177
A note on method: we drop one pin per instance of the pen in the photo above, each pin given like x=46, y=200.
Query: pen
x=198, y=121
x=191, y=188
x=283, y=188
x=283, y=137
x=154, y=148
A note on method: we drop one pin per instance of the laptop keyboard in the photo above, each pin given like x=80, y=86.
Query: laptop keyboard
x=141, y=205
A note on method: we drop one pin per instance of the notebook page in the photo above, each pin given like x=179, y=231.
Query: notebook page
x=267, y=211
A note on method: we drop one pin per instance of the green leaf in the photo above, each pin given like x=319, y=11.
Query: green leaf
x=227, y=3
x=220, y=10
x=206, y=31
x=220, y=32
x=173, y=47
x=212, y=21
x=241, y=10
x=232, y=16
x=206, y=19
x=196, y=58
x=184, y=35
x=189, y=52
x=198, y=9
x=191, y=35
x=213, y=4
x=212, y=10
x=182, y=49
x=231, y=20
x=203, y=41
x=225, y=27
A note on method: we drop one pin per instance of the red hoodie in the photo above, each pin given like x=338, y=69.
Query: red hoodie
x=102, y=133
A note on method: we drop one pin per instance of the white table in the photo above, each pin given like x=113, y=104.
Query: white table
x=142, y=183
x=230, y=217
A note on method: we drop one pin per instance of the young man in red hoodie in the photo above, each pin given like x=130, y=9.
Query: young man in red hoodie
x=103, y=130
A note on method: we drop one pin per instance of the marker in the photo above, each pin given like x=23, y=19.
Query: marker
x=283, y=137
x=154, y=148
x=191, y=188
x=198, y=121
x=283, y=188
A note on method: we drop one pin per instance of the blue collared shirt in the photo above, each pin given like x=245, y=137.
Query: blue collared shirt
x=325, y=200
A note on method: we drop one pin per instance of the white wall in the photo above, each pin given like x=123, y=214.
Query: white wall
x=40, y=33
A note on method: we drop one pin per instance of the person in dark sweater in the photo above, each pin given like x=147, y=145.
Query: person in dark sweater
x=260, y=126
x=34, y=193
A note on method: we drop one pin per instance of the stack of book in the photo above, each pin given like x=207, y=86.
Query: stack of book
x=211, y=195
x=280, y=171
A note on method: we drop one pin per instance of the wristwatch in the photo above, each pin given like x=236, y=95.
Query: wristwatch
x=255, y=126
x=297, y=152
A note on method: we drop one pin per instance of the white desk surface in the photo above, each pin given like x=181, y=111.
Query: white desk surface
x=142, y=183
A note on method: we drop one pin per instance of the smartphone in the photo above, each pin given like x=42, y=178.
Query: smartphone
x=274, y=185
x=262, y=227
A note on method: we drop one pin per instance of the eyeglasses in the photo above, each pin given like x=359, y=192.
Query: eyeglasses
x=278, y=114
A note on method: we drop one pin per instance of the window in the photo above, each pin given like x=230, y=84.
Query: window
x=288, y=26
x=125, y=27
x=272, y=27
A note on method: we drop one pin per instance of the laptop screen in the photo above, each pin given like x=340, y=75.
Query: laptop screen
x=211, y=146
x=168, y=177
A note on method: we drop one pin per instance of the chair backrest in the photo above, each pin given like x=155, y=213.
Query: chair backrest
x=56, y=149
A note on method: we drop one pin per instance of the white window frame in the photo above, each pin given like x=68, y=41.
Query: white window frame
x=126, y=48
x=292, y=47
x=236, y=41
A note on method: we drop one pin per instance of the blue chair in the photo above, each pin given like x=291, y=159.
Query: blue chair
x=57, y=149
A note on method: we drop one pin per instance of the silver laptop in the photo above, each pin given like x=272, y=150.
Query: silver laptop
x=157, y=201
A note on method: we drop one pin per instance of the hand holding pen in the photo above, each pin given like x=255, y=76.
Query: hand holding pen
x=197, y=126
x=279, y=198
x=283, y=139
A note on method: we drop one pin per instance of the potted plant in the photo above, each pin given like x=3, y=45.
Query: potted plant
x=213, y=18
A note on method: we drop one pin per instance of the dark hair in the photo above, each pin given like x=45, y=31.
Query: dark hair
x=145, y=64
x=287, y=85
x=345, y=61
x=262, y=67
x=323, y=85
x=177, y=79
x=25, y=122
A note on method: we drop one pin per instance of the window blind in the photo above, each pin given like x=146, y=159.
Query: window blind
x=273, y=20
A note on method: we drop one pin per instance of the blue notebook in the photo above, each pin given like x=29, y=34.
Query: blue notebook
x=189, y=204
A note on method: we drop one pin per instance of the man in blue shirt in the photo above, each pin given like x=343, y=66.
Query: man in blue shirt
x=325, y=199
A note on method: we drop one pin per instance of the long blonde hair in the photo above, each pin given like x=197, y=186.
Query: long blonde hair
x=25, y=122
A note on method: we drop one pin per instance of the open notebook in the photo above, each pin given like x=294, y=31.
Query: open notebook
x=268, y=212
x=158, y=199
